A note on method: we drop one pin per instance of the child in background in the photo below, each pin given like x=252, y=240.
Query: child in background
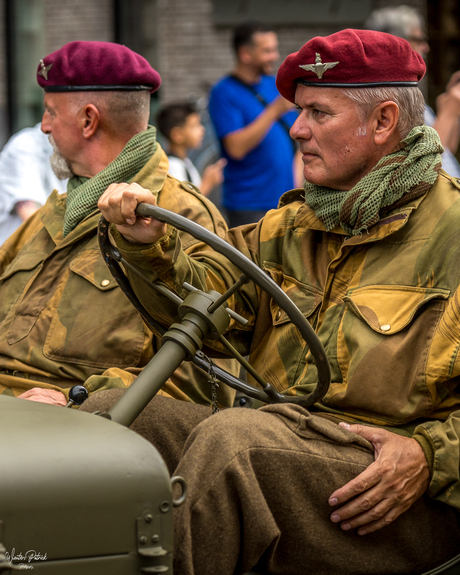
x=181, y=125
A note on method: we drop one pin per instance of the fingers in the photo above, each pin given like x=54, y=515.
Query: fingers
x=388, y=487
x=376, y=517
x=360, y=484
x=453, y=80
x=282, y=105
x=119, y=202
x=369, y=504
x=372, y=434
x=40, y=395
x=118, y=205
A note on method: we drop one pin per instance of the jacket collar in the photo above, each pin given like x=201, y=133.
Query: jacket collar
x=151, y=176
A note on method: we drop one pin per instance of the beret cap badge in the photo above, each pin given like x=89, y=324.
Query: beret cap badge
x=44, y=69
x=318, y=67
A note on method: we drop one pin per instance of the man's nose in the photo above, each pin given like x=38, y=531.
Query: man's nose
x=45, y=126
x=300, y=130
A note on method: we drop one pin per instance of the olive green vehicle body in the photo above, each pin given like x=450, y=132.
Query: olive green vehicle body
x=80, y=493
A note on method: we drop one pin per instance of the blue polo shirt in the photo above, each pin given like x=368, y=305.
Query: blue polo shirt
x=257, y=181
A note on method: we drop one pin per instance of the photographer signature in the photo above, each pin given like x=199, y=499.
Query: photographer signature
x=28, y=556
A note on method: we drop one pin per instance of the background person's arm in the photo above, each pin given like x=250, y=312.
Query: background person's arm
x=239, y=143
x=447, y=122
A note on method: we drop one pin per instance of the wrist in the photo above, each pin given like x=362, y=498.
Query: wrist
x=427, y=450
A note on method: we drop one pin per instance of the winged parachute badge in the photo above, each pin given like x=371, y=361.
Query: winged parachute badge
x=44, y=69
x=318, y=67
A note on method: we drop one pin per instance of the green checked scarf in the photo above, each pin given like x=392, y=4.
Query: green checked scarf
x=84, y=193
x=405, y=174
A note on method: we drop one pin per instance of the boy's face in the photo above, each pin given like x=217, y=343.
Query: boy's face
x=191, y=134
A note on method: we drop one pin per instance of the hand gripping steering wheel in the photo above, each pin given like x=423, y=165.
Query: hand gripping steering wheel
x=215, y=306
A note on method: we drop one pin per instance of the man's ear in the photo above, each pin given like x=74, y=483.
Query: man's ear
x=386, y=120
x=89, y=120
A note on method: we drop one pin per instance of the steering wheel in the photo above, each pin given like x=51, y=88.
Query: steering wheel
x=267, y=394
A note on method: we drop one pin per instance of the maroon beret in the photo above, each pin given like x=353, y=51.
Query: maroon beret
x=351, y=59
x=84, y=66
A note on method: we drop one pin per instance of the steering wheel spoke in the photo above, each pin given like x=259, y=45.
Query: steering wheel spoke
x=210, y=309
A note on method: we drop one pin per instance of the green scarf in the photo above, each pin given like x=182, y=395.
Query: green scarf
x=405, y=174
x=84, y=193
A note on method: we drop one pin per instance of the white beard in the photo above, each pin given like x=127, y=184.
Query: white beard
x=59, y=164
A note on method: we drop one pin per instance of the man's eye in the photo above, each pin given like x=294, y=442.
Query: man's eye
x=318, y=113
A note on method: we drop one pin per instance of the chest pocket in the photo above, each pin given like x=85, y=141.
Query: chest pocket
x=94, y=324
x=281, y=349
x=16, y=279
x=305, y=297
x=383, y=342
x=389, y=309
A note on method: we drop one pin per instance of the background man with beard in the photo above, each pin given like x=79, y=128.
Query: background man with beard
x=63, y=319
x=252, y=123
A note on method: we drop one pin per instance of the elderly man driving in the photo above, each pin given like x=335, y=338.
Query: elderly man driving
x=367, y=480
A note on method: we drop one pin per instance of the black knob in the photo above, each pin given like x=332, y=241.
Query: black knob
x=78, y=394
x=243, y=401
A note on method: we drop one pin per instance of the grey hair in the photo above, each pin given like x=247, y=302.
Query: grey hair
x=124, y=111
x=409, y=100
x=397, y=20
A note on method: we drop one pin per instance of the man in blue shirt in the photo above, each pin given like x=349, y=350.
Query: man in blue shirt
x=252, y=122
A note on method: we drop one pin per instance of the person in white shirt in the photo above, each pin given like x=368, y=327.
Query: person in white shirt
x=26, y=178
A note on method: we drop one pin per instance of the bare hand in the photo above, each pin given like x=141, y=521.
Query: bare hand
x=449, y=102
x=26, y=209
x=213, y=175
x=388, y=487
x=454, y=79
x=282, y=106
x=41, y=395
x=118, y=204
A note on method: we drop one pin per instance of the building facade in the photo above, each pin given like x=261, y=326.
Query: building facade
x=188, y=41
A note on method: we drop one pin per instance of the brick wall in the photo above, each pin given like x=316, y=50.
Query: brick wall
x=193, y=53
x=68, y=20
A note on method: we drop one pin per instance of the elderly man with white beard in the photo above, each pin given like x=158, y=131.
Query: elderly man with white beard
x=64, y=320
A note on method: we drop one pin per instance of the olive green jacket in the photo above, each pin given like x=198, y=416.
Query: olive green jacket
x=63, y=318
x=385, y=305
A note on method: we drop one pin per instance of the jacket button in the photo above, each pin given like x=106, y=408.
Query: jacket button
x=105, y=283
x=385, y=327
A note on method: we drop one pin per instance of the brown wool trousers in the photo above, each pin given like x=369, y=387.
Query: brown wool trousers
x=258, y=485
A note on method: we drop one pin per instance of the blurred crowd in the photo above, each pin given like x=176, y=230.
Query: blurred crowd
x=253, y=159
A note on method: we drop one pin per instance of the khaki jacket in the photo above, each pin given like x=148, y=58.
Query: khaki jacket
x=385, y=305
x=63, y=318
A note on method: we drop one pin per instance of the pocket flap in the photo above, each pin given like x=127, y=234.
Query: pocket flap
x=23, y=262
x=389, y=309
x=305, y=297
x=92, y=267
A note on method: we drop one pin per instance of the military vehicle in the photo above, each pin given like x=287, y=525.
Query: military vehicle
x=80, y=493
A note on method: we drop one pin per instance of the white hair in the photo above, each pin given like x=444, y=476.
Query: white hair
x=396, y=20
x=409, y=100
